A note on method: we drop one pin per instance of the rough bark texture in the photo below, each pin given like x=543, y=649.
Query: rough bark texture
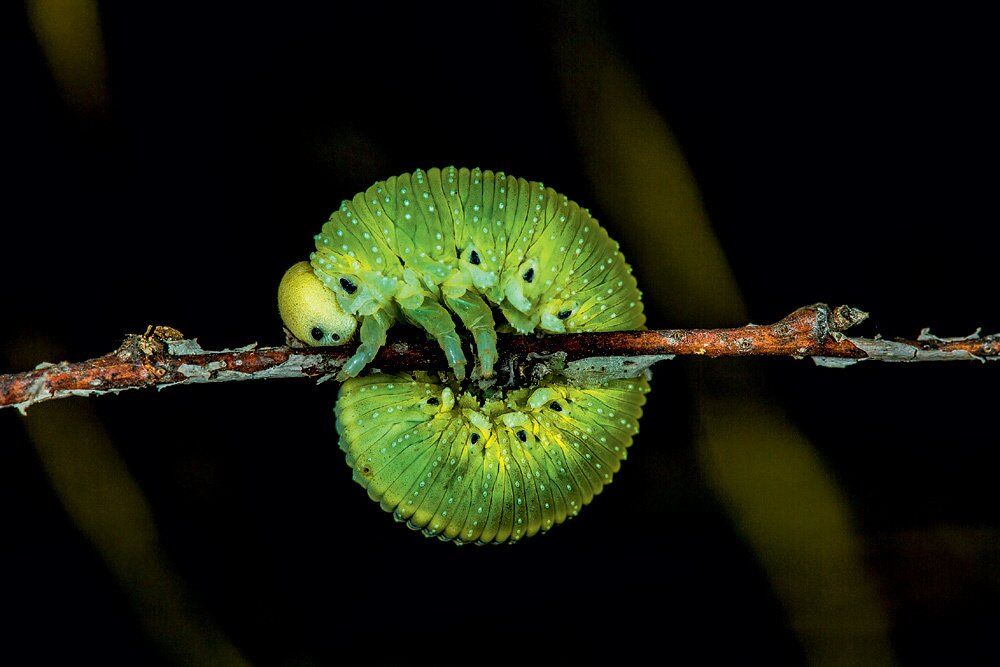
x=162, y=357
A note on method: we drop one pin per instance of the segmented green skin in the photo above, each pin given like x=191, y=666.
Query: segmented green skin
x=492, y=472
x=410, y=238
x=456, y=238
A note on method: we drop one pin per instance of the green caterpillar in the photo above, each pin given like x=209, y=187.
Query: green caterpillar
x=488, y=465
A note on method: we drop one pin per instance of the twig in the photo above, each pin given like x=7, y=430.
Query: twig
x=163, y=357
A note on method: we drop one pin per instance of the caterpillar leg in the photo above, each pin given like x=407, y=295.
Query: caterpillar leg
x=435, y=320
x=373, y=332
x=478, y=319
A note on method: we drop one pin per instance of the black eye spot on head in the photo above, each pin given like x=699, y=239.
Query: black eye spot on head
x=316, y=333
x=335, y=336
x=474, y=257
x=555, y=406
x=433, y=400
x=474, y=438
x=348, y=286
x=564, y=314
x=522, y=436
x=529, y=275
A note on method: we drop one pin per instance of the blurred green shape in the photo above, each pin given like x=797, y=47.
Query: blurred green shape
x=779, y=496
x=109, y=509
x=790, y=509
x=69, y=34
x=643, y=183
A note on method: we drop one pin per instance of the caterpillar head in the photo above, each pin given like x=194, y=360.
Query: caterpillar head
x=310, y=310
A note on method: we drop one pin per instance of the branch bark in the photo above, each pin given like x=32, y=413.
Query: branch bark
x=162, y=357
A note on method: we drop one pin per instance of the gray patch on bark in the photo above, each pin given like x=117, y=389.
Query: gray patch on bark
x=925, y=334
x=602, y=369
x=894, y=351
x=833, y=362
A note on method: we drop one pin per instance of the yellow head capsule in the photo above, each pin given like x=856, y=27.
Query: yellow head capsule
x=310, y=310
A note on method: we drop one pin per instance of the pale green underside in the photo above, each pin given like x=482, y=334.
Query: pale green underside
x=487, y=473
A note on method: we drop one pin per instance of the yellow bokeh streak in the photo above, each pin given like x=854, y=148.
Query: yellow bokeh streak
x=109, y=509
x=69, y=34
x=778, y=493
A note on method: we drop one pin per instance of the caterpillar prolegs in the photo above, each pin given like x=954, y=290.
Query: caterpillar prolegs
x=433, y=247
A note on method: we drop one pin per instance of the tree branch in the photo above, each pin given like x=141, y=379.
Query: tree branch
x=162, y=357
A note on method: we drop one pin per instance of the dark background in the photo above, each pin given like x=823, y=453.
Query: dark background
x=848, y=158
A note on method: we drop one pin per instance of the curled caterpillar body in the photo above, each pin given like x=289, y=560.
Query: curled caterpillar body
x=486, y=471
x=434, y=246
x=429, y=248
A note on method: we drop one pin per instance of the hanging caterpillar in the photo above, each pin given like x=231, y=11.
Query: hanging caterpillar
x=491, y=465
